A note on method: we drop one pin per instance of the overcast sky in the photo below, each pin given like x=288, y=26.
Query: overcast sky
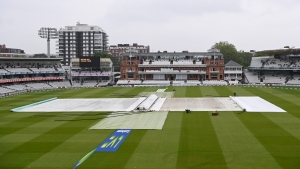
x=172, y=25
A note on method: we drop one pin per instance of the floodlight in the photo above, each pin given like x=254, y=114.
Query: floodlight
x=49, y=33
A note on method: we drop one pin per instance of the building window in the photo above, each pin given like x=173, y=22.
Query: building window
x=130, y=75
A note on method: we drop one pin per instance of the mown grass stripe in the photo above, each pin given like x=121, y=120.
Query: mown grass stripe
x=40, y=145
x=193, y=91
x=198, y=144
x=240, y=148
x=240, y=90
x=8, y=129
x=223, y=91
x=158, y=148
x=237, y=142
x=283, y=91
x=179, y=91
x=168, y=88
x=286, y=121
x=81, y=93
x=130, y=92
x=101, y=92
x=208, y=91
x=16, y=121
x=280, y=144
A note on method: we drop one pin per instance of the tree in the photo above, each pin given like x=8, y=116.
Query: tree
x=228, y=50
x=40, y=55
x=103, y=55
x=19, y=56
x=260, y=54
x=230, y=53
x=245, y=58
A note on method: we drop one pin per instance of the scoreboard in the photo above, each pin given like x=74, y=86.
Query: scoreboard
x=89, y=62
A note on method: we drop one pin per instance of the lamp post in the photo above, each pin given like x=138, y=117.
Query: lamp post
x=48, y=33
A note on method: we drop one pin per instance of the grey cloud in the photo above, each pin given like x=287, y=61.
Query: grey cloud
x=163, y=11
x=192, y=25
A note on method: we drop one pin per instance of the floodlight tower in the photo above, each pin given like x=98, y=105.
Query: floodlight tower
x=49, y=33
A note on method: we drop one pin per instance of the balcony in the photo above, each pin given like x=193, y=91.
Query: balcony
x=233, y=71
x=172, y=72
x=214, y=71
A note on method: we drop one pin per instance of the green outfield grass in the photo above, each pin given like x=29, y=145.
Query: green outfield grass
x=232, y=140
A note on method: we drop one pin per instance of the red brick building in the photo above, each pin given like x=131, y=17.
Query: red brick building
x=172, y=66
x=118, y=50
x=11, y=52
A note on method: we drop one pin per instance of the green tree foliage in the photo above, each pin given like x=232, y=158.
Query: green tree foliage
x=245, y=58
x=230, y=53
x=40, y=55
x=19, y=56
x=228, y=50
x=103, y=55
x=260, y=54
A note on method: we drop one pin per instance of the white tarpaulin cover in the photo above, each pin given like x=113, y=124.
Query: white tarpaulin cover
x=79, y=105
x=148, y=102
x=251, y=104
x=256, y=104
x=137, y=120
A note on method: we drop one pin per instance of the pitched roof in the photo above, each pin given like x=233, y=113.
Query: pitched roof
x=232, y=63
